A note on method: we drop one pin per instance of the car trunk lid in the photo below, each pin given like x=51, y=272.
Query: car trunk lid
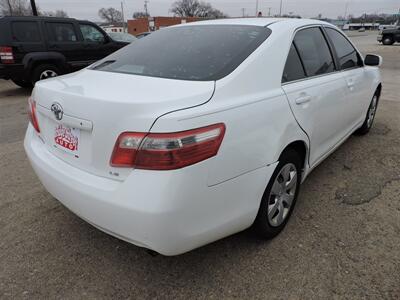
x=81, y=115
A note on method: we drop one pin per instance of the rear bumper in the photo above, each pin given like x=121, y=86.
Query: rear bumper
x=170, y=212
x=11, y=71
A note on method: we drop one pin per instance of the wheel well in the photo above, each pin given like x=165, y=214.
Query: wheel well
x=55, y=63
x=46, y=62
x=379, y=90
x=390, y=35
x=301, y=148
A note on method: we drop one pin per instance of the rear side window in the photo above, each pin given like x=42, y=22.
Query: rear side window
x=293, y=69
x=314, y=52
x=91, y=34
x=61, y=32
x=348, y=56
x=26, y=32
x=197, y=52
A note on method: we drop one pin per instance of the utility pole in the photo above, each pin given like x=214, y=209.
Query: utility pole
x=243, y=12
x=123, y=16
x=280, y=9
x=269, y=11
x=34, y=9
x=256, y=8
x=145, y=7
x=345, y=10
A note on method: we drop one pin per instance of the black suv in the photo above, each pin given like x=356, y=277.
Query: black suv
x=36, y=48
x=389, y=36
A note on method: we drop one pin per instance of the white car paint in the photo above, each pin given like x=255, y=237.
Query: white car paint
x=175, y=211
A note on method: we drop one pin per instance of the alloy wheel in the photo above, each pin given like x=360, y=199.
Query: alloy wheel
x=282, y=195
x=47, y=74
x=372, y=111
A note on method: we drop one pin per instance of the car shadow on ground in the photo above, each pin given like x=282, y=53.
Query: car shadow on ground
x=245, y=246
x=12, y=90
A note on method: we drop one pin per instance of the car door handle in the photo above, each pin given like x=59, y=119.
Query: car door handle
x=303, y=99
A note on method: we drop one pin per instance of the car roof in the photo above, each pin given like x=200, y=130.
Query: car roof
x=260, y=21
x=35, y=18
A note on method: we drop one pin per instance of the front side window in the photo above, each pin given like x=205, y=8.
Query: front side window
x=348, y=56
x=293, y=69
x=26, y=32
x=314, y=51
x=197, y=52
x=91, y=34
x=62, y=32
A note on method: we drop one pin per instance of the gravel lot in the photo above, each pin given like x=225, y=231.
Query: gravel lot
x=342, y=241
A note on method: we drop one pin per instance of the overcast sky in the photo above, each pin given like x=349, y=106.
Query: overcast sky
x=87, y=9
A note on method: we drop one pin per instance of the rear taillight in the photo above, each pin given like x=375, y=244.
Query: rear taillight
x=167, y=151
x=6, y=55
x=32, y=114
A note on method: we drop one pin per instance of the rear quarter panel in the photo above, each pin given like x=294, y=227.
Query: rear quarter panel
x=254, y=108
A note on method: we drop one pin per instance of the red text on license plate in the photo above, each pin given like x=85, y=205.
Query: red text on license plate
x=67, y=137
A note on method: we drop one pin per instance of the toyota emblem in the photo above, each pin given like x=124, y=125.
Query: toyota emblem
x=57, y=109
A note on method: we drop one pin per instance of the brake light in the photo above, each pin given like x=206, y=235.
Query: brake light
x=6, y=55
x=167, y=151
x=32, y=114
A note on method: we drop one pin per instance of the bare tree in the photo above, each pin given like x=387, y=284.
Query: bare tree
x=194, y=8
x=140, y=14
x=110, y=15
x=61, y=14
x=58, y=13
x=15, y=8
x=23, y=8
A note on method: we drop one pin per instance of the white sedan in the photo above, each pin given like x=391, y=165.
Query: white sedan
x=200, y=130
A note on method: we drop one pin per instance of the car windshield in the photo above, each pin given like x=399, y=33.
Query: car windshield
x=197, y=52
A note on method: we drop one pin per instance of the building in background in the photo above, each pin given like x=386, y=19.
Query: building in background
x=339, y=23
x=141, y=25
x=112, y=28
x=360, y=26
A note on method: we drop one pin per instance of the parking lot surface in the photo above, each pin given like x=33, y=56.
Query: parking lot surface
x=342, y=241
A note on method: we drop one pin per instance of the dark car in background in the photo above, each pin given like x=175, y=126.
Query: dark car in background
x=389, y=36
x=143, y=34
x=122, y=37
x=36, y=48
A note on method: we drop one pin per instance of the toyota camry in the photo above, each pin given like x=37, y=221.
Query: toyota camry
x=200, y=130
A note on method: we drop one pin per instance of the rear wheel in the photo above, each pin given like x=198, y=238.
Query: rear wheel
x=387, y=40
x=370, y=117
x=22, y=83
x=280, y=196
x=43, y=72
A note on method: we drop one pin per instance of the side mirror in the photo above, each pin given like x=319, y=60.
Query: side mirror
x=373, y=60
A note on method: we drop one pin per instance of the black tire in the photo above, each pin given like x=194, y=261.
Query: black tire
x=387, y=40
x=262, y=225
x=40, y=69
x=367, y=125
x=22, y=83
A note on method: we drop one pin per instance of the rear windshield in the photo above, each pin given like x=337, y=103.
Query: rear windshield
x=198, y=52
